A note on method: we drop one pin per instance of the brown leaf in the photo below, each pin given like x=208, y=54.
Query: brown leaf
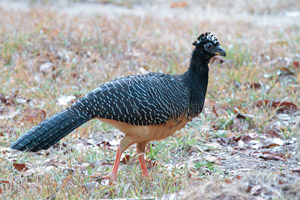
x=241, y=122
x=283, y=74
x=75, y=74
x=272, y=156
x=33, y=114
x=181, y=4
x=126, y=159
x=210, y=107
x=3, y=182
x=2, y=98
x=297, y=170
x=20, y=166
x=282, y=107
x=296, y=63
x=272, y=129
x=271, y=142
x=253, y=86
x=10, y=99
x=60, y=145
x=150, y=164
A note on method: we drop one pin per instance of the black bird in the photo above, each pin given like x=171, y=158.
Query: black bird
x=144, y=107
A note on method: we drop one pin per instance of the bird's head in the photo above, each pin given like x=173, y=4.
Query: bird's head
x=209, y=45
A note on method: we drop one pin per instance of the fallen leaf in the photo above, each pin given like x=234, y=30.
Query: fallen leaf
x=9, y=100
x=8, y=112
x=2, y=98
x=88, y=142
x=271, y=156
x=65, y=100
x=241, y=144
x=282, y=107
x=3, y=182
x=20, y=166
x=75, y=74
x=253, y=86
x=283, y=74
x=256, y=190
x=284, y=117
x=218, y=162
x=297, y=170
x=268, y=143
x=33, y=114
x=273, y=129
x=60, y=144
x=46, y=67
x=210, y=158
x=143, y=70
x=126, y=159
x=150, y=164
x=181, y=4
x=21, y=100
x=210, y=107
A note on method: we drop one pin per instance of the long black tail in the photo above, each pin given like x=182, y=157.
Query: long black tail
x=50, y=131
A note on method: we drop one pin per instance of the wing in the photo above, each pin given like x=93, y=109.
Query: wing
x=139, y=100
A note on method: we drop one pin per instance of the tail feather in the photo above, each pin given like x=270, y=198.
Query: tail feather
x=49, y=132
x=62, y=133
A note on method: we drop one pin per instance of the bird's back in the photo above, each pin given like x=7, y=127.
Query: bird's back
x=139, y=100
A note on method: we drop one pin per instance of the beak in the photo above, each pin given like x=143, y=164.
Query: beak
x=220, y=51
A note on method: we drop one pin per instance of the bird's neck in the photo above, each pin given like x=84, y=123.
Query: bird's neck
x=197, y=73
x=199, y=61
x=196, y=79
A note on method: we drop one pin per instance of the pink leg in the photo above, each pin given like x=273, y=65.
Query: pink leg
x=116, y=165
x=142, y=161
x=113, y=177
x=124, y=144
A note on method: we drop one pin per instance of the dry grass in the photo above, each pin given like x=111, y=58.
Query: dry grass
x=88, y=50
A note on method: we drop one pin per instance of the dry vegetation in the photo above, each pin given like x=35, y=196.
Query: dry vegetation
x=243, y=145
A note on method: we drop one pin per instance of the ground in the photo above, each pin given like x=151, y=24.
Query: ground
x=244, y=145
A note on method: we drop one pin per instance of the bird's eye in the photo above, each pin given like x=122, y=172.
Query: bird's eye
x=209, y=45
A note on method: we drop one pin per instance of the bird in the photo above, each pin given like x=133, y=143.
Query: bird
x=145, y=107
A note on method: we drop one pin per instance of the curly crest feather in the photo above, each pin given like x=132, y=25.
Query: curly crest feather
x=208, y=37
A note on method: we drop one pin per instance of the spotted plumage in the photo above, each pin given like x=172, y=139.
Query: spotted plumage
x=144, y=107
x=138, y=100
